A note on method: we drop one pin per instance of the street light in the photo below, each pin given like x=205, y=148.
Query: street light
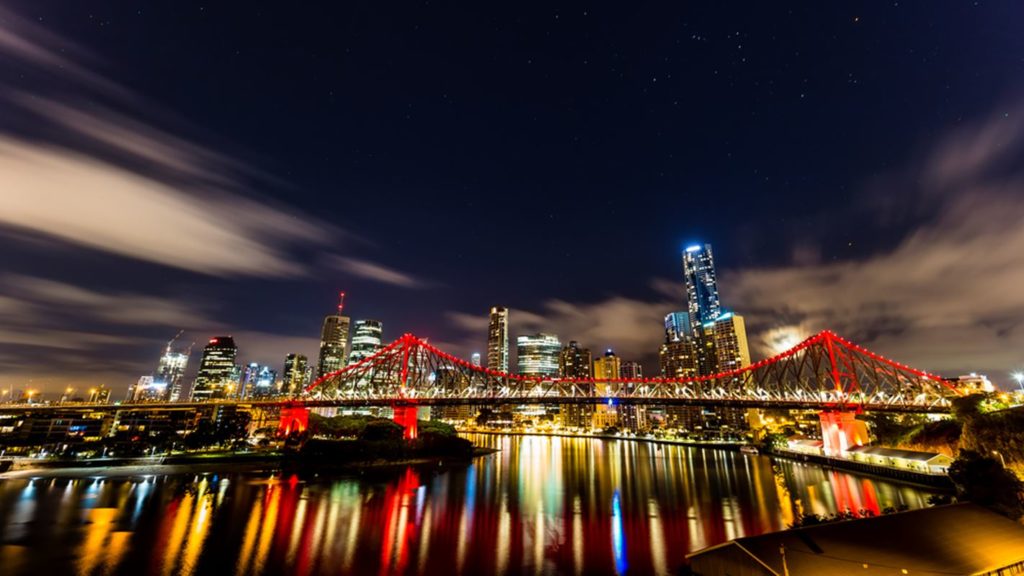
x=1001, y=460
x=1019, y=377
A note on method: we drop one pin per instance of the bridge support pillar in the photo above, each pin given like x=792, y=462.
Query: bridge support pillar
x=840, y=431
x=293, y=419
x=405, y=416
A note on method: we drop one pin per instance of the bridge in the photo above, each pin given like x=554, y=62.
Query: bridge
x=824, y=372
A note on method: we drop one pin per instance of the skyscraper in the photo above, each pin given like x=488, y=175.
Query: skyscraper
x=701, y=286
x=497, y=339
x=730, y=338
x=258, y=382
x=606, y=368
x=678, y=359
x=677, y=326
x=537, y=355
x=366, y=339
x=631, y=416
x=576, y=362
x=216, y=370
x=294, y=374
x=333, y=342
x=171, y=371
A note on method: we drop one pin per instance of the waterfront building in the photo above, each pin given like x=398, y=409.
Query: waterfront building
x=729, y=335
x=217, y=376
x=497, y=339
x=678, y=359
x=972, y=384
x=333, y=344
x=294, y=376
x=367, y=336
x=538, y=354
x=606, y=371
x=576, y=362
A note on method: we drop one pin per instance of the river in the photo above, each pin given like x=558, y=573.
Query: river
x=540, y=505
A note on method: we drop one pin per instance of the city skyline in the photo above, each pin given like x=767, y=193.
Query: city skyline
x=830, y=203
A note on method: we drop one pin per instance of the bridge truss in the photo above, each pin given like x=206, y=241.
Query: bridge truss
x=823, y=372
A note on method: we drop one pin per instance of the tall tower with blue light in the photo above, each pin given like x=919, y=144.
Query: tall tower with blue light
x=701, y=285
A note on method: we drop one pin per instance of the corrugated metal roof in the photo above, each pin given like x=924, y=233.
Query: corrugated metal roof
x=953, y=539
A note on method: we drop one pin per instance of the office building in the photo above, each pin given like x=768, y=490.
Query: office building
x=293, y=378
x=99, y=395
x=730, y=342
x=576, y=362
x=367, y=336
x=333, y=344
x=606, y=371
x=497, y=340
x=148, y=389
x=632, y=417
x=538, y=354
x=258, y=382
x=678, y=359
x=218, y=375
x=677, y=326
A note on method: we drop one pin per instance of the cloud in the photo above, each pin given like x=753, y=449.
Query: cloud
x=949, y=296
x=74, y=170
x=376, y=272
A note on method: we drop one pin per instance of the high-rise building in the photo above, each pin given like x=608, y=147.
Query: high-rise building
x=632, y=417
x=333, y=344
x=701, y=286
x=574, y=362
x=730, y=338
x=497, y=339
x=538, y=355
x=677, y=326
x=217, y=376
x=631, y=369
x=606, y=371
x=258, y=382
x=475, y=359
x=577, y=362
x=678, y=359
x=294, y=374
x=171, y=373
x=367, y=336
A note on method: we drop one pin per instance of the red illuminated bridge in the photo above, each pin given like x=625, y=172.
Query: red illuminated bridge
x=824, y=372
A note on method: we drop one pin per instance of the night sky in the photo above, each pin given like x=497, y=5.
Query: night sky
x=227, y=167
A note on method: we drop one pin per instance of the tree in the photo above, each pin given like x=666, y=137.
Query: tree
x=983, y=480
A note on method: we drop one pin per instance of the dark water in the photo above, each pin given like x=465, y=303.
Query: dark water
x=542, y=505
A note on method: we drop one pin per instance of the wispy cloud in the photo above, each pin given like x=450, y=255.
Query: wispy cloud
x=74, y=170
x=376, y=272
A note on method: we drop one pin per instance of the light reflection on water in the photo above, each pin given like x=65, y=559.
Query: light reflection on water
x=541, y=505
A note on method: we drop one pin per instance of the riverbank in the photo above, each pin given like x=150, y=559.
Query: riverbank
x=732, y=446
x=209, y=463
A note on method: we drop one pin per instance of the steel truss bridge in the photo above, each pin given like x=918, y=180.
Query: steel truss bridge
x=824, y=372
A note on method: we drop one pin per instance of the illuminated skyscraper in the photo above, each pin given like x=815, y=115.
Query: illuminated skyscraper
x=677, y=326
x=258, y=382
x=538, y=354
x=366, y=339
x=701, y=286
x=216, y=370
x=497, y=340
x=294, y=375
x=730, y=338
x=333, y=342
x=607, y=368
x=170, y=373
x=576, y=362
x=475, y=359
x=678, y=359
